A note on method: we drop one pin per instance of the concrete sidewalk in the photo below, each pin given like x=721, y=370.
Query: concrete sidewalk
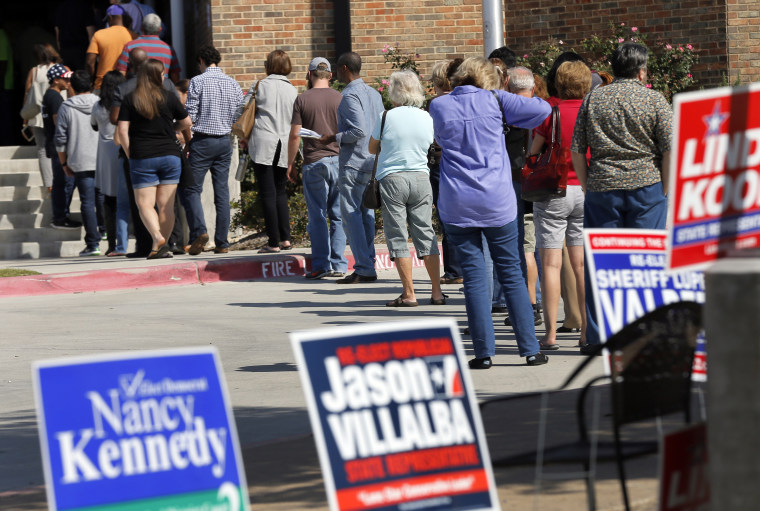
x=91, y=274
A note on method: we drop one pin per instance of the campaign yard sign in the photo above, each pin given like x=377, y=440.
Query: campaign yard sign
x=629, y=279
x=148, y=431
x=714, y=204
x=684, y=467
x=394, y=417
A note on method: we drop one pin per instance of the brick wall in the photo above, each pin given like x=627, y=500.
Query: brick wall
x=744, y=40
x=246, y=30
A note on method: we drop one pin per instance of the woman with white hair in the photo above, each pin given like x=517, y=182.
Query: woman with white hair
x=406, y=133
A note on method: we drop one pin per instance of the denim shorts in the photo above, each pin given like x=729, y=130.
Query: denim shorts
x=161, y=170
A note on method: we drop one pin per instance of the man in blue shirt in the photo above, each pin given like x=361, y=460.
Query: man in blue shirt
x=213, y=101
x=359, y=109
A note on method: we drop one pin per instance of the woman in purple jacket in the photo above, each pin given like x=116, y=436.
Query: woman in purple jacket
x=477, y=198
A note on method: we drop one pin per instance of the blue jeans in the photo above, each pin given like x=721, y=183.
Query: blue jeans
x=502, y=244
x=122, y=213
x=214, y=154
x=642, y=208
x=85, y=183
x=320, y=189
x=358, y=222
x=63, y=189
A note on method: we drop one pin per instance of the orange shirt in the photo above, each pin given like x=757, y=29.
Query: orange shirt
x=107, y=45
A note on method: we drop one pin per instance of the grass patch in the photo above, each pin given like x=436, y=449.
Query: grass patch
x=16, y=272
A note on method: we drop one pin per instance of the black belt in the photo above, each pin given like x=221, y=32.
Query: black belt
x=206, y=135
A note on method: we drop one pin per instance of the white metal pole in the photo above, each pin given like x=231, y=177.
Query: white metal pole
x=493, y=25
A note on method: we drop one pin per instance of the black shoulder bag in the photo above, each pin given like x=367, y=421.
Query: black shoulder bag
x=371, y=197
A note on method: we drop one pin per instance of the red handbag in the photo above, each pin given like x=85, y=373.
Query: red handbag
x=544, y=175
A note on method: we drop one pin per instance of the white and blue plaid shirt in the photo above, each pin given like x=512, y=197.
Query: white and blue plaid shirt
x=213, y=102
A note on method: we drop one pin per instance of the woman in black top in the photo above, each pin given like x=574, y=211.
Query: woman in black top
x=147, y=134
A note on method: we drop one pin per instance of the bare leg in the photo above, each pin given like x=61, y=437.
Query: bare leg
x=576, y=261
x=146, y=203
x=530, y=262
x=165, y=203
x=569, y=293
x=433, y=267
x=404, y=268
x=551, y=261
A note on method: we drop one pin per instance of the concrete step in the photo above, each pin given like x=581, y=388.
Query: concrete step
x=41, y=234
x=29, y=221
x=18, y=152
x=34, y=206
x=36, y=250
x=20, y=179
x=13, y=193
x=19, y=166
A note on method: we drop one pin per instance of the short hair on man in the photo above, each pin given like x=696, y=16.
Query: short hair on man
x=520, y=79
x=573, y=80
x=352, y=61
x=278, y=63
x=209, y=55
x=81, y=81
x=183, y=85
x=321, y=73
x=151, y=24
x=505, y=55
x=628, y=59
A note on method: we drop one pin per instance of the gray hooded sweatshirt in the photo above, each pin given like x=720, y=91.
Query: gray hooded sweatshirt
x=74, y=134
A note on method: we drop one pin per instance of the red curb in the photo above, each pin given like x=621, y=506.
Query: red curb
x=100, y=280
x=271, y=267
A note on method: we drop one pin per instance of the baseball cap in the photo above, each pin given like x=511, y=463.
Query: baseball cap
x=317, y=61
x=114, y=10
x=58, y=71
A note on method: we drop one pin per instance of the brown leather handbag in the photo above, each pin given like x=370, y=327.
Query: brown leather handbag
x=544, y=175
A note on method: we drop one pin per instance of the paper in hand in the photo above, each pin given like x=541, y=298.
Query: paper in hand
x=303, y=132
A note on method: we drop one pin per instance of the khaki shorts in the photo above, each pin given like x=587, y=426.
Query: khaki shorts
x=529, y=244
x=560, y=220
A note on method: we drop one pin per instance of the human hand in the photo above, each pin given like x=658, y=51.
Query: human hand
x=292, y=174
x=67, y=170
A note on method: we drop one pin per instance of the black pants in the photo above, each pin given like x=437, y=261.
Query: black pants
x=143, y=239
x=177, y=236
x=271, y=182
x=109, y=214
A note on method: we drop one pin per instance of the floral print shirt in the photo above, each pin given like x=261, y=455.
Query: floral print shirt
x=628, y=127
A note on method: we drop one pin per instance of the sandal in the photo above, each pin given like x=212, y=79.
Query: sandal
x=440, y=301
x=269, y=250
x=285, y=245
x=548, y=347
x=162, y=252
x=399, y=302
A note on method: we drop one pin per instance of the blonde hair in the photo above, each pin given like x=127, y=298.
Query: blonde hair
x=405, y=89
x=439, y=77
x=477, y=71
x=573, y=80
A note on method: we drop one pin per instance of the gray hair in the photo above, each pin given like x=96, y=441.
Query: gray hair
x=520, y=79
x=405, y=89
x=151, y=24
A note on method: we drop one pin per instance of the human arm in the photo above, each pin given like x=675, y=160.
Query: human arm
x=29, y=78
x=90, y=32
x=581, y=168
x=523, y=112
x=537, y=145
x=350, y=112
x=193, y=100
x=174, y=68
x=61, y=138
x=90, y=63
x=123, y=133
x=294, y=142
x=665, y=172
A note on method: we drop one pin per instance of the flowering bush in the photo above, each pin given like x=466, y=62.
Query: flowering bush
x=669, y=67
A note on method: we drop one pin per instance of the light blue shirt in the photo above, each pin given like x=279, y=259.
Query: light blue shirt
x=406, y=138
x=360, y=106
x=476, y=179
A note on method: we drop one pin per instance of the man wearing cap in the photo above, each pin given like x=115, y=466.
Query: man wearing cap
x=63, y=186
x=153, y=46
x=359, y=109
x=317, y=110
x=107, y=44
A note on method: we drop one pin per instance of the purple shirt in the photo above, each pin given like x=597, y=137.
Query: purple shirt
x=476, y=180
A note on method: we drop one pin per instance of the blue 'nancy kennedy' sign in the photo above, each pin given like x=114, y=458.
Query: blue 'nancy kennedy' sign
x=629, y=279
x=394, y=417
x=143, y=431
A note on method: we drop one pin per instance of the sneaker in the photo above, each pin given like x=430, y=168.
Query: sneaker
x=355, y=278
x=103, y=235
x=536, y=319
x=317, y=274
x=480, y=363
x=497, y=309
x=66, y=224
x=537, y=359
x=451, y=280
x=89, y=252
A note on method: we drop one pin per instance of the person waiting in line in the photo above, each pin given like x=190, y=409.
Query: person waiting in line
x=402, y=143
x=560, y=219
x=268, y=146
x=317, y=110
x=477, y=198
x=107, y=167
x=146, y=130
x=106, y=45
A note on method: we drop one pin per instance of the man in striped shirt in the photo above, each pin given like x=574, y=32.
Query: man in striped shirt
x=213, y=101
x=153, y=46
